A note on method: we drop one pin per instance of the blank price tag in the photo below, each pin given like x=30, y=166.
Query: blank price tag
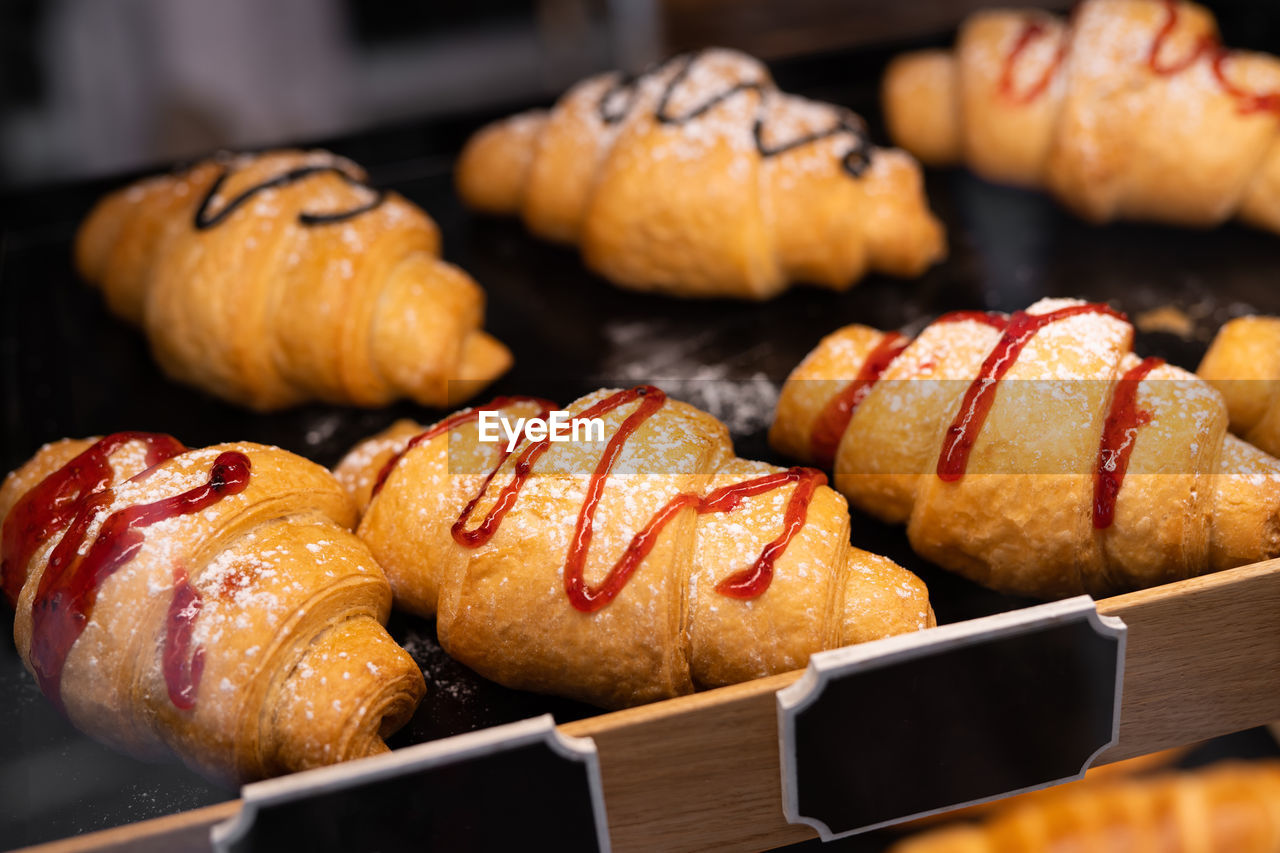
x=908, y=726
x=519, y=786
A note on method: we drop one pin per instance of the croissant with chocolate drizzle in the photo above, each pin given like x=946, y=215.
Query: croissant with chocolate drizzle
x=1129, y=109
x=279, y=278
x=634, y=567
x=699, y=178
x=210, y=604
x=1034, y=452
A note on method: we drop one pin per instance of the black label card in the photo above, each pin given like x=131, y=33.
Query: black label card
x=908, y=726
x=522, y=786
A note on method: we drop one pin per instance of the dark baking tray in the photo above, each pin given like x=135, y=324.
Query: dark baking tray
x=71, y=369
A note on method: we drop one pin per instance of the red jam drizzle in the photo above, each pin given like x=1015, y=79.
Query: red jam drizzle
x=183, y=663
x=651, y=399
x=1122, y=423
x=1205, y=46
x=1246, y=101
x=53, y=502
x=68, y=588
x=458, y=419
x=836, y=414
x=744, y=584
x=834, y=418
x=1032, y=31
x=1118, y=437
x=981, y=393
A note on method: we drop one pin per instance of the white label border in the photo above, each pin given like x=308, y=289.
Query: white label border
x=826, y=665
x=298, y=786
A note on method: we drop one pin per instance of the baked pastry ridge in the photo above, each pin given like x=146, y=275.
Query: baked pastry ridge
x=1034, y=453
x=698, y=178
x=278, y=278
x=210, y=604
x=1243, y=363
x=622, y=570
x=1128, y=109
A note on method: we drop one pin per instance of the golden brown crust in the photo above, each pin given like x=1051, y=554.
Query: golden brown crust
x=1228, y=807
x=297, y=669
x=1243, y=363
x=925, y=118
x=1020, y=519
x=265, y=310
x=698, y=208
x=502, y=607
x=1080, y=107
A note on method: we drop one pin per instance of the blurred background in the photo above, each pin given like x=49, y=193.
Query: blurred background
x=91, y=87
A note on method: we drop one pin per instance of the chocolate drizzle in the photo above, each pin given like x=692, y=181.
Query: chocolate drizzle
x=205, y=220
x=627, y=86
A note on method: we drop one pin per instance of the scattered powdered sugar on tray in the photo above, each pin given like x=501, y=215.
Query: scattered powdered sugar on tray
x=659, y=354
x=445, y=677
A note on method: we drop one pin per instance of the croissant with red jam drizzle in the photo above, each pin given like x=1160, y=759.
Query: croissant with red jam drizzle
x=1128, y=109
x=625, y=570
x=1034, y=452
x=210, y=604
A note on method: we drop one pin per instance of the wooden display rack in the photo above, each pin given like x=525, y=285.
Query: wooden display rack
x=703, y=771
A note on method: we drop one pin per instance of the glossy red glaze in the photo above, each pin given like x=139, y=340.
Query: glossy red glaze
x=754, y=580
x=1031, y=32
x=834, y=418
x=1205, y=46
x=1118, y=436
x=835, y=415
x=1246, y=101
x=69, y=585
x=651, y=399
x=458, y=419
x=981, y=393
x=1170, y=23
x=48, y=506
x=183, y=662
x=748, y=583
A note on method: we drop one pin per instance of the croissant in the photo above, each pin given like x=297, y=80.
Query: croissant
x=699, y=178
x=1233, y=807
x=619, y=570
x=210, y=604
x=1129, y=109
x=1034, y=453
x=1243, y=362
x=274, y=279
x=1099, y=774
